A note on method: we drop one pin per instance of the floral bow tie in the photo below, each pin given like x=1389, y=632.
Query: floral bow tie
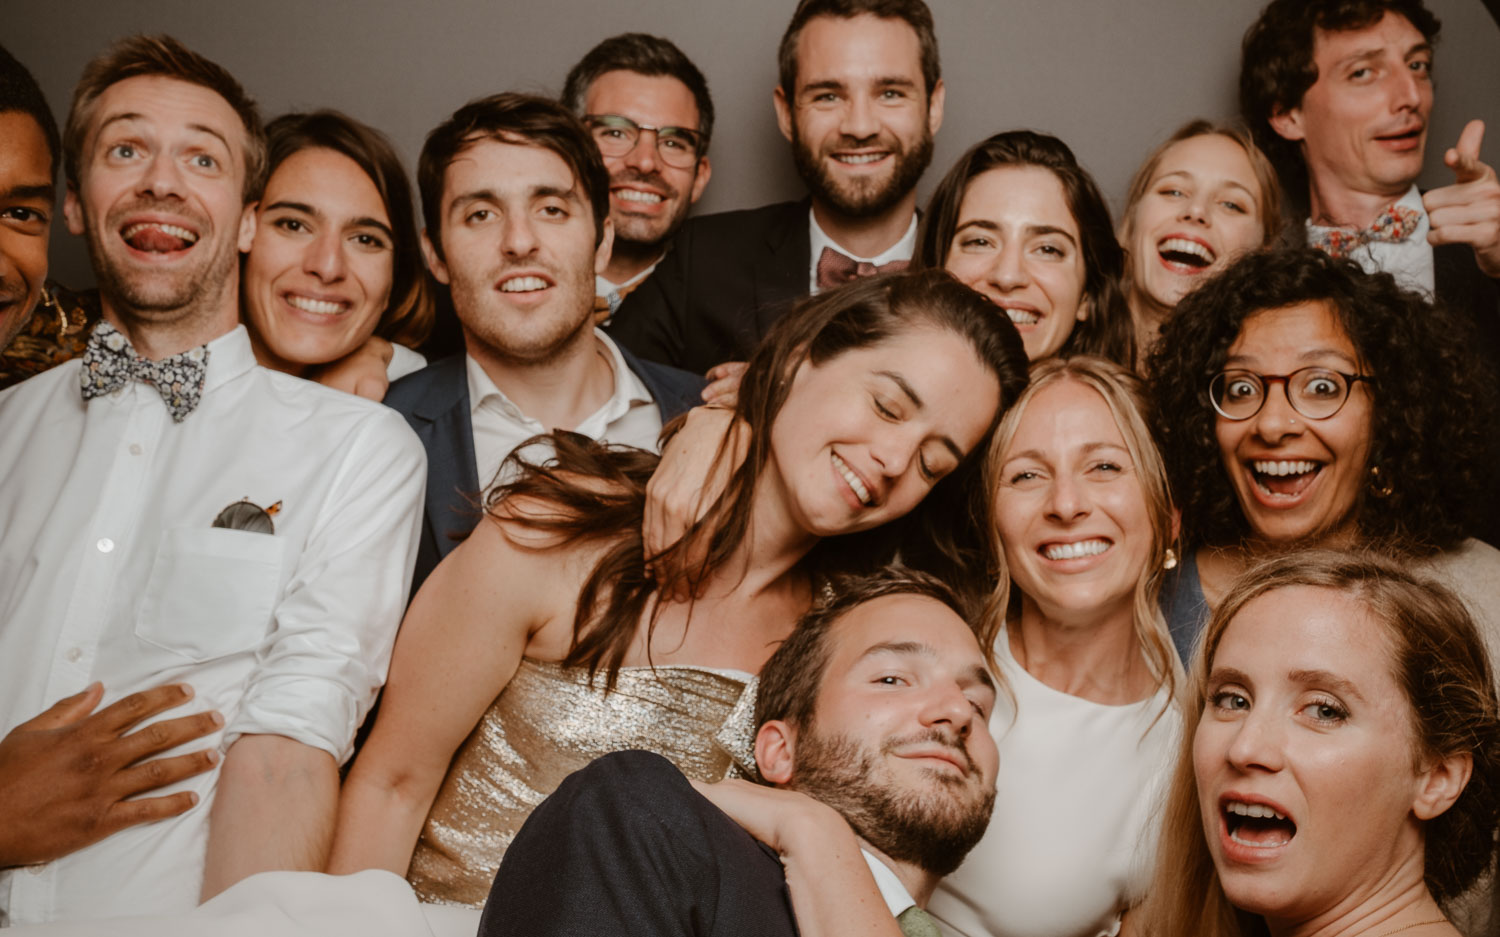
x=1394, y=224
x=109, y=363
x=836, y=269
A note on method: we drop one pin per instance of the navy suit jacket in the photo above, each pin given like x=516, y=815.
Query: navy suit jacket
x=435, y=401
x=625, y=846
x=727, y=277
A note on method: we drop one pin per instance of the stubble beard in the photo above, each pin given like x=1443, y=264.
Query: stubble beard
x=161, y=298
x=640, y=237
x=867, y=198
x=539, y=344
x=932, y=829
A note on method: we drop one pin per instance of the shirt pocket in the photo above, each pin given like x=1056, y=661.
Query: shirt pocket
x=211, y=592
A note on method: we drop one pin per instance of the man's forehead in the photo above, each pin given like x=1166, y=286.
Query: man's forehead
x=1332, y=45
x=904, y=624
x=508, y=163
x=25, y=160
x=876, y=44
x=168, y=103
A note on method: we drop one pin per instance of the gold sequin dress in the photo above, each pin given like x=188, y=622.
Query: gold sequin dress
x=547, y=723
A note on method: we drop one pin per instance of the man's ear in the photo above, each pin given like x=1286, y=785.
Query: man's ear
x=935, y=103
x=247, y=227
x=783, y=112
x=775, y=751
x=700, y=182
x=434, y=262
x=73, y=211
x=1439, y=786
x=1287, y=122
x=606, y=247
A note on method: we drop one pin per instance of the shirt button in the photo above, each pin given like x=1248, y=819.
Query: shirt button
x=73, y=654
x=105, y=544
x=135, y=448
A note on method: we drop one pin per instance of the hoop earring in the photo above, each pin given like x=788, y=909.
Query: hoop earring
x=1380, y=486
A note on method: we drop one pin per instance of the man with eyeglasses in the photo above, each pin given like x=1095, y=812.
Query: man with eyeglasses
x=860, y=98
x=648, y=108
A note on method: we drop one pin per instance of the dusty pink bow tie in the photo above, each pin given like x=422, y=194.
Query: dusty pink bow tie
x=836, y=269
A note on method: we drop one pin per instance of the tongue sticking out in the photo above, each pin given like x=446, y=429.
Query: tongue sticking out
x=155, y=240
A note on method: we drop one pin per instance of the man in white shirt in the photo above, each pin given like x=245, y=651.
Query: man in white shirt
x=1339, y=94
x=173, y=514
x=860, y=98
x=515, y=199
x=877, y=705
x=648, y=108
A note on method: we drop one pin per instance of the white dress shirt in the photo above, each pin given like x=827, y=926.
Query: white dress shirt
x=629, y=417
x=1409, y=261
x=111, y=570
x=901, y=250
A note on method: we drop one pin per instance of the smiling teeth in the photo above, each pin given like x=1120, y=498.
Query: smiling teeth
x=860, y=491
x=316, y=306
x=172, y=229
x=856, y=159
x=1023, y=316
x=1284, y=468
x=633, y=195
x=1072, y=551
x=1185, y=246
x=1260, y=811
x=523, y=285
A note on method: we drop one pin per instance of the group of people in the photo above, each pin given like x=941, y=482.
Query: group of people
x=998, y=568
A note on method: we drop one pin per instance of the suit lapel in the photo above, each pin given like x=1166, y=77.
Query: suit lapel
x=783, y=268
x=443, y=423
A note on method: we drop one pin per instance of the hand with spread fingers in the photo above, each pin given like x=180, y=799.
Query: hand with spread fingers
x=1468, y=212
x=67, y=776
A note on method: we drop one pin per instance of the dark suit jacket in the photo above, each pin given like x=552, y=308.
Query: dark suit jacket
x=435, y=401
x=1474, y=299
x=726, y=279
x=627, y=847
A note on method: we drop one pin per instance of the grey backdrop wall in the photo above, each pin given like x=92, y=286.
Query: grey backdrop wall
x=1111, y=77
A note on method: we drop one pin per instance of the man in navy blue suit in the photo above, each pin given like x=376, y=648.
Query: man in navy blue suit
x=515, y=200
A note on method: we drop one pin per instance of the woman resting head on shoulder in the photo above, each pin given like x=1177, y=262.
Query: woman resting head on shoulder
x=1018, y=219
x=1204, y=196
x=1339, y=768
x=336, y=267
x=858, y=404
x=1087, y=725
x=1303, y=402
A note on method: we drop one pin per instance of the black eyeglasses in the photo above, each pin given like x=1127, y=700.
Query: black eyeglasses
x=678, y=147
x=1316, y=393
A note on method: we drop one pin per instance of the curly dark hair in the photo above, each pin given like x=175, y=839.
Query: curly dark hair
x=1276, y=65
x=1107, y=332
x=1432, y=407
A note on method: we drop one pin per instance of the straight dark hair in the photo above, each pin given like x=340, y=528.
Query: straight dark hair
x=644, y=54
x=913, y=12
x=1107, y=332
x=593, y=492
x=523, y=119
x=408, y=316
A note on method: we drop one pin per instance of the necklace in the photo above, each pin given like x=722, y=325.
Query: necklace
x=1441, y=920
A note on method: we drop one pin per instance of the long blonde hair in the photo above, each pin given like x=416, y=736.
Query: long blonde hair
x=1125, y=396
x=1440, y=662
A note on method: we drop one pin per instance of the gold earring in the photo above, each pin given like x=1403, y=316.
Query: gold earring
x=1380, y=486
x=46, y=301
x=1170, y=562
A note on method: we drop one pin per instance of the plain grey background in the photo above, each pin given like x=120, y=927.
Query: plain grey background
x=1111, y=77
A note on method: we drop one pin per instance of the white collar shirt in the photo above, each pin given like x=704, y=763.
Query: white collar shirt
x=111, y=570
x=629, y=417
x=897, y=898
x=1409, y=261
x=901, y=250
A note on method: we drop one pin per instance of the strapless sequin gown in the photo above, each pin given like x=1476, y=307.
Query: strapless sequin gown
x=546, y=724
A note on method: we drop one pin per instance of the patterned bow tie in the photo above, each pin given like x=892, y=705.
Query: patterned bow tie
x=1394, y=224
x=835, y=269
x=109, y=363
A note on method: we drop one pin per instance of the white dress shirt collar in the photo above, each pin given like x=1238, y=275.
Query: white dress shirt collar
x=897, y=898
x=901, y=250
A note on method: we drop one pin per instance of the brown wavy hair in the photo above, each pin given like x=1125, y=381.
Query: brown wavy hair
x=594, y=492
x=1438, y=659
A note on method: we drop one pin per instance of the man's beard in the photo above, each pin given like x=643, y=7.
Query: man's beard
x=159, y=296
x=866, y=198
x=634, y=235
x=932, y=829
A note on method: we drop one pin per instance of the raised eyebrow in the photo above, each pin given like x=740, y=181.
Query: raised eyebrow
x=204, y=128
x=1328, y=679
